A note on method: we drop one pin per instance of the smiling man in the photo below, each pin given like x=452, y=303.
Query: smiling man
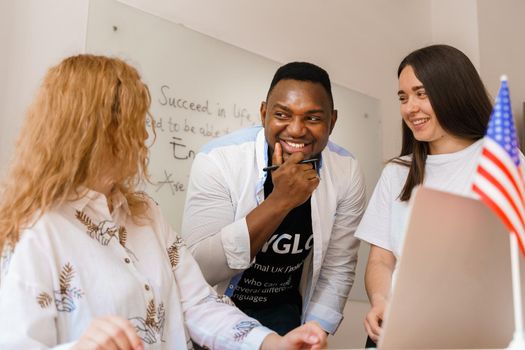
x=280, y=242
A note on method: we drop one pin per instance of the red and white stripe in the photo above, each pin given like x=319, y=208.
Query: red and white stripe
x=499, y=183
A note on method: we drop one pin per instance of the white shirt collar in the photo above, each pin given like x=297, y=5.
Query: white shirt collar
x=99, y=201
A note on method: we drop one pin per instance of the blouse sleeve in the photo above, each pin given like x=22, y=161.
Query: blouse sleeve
x=212, y=320
x=27, y=307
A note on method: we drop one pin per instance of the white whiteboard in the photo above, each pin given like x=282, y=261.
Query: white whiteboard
x=203, y=88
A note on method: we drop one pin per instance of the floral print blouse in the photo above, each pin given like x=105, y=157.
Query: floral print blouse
x=79, y=262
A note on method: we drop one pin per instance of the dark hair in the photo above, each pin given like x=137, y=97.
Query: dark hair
x=303, y=71
x=457, y=96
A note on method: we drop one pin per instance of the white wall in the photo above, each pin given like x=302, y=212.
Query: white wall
x=6, y=23
x=35, y=35
x=491, y=33
x=456, y=23
x=502, y=50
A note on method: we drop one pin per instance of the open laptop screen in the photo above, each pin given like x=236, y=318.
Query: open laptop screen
x=453, y=287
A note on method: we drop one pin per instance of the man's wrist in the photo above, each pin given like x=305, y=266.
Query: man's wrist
x=280, y=204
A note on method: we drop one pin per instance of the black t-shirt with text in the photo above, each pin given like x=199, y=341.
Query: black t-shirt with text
x=275, y=276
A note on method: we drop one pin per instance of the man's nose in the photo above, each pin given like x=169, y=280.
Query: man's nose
x=297, y=127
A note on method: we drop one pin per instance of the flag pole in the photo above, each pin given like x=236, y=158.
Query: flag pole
x=518, y=339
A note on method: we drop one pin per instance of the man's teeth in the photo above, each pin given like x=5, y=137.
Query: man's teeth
x=420, y=121
x=295, y=145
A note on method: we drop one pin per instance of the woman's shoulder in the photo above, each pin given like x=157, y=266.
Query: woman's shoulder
x=393, y=177
x=38, y=236
x=153, y=209
x=156, y=218
x=397, y=166
x=52, y=221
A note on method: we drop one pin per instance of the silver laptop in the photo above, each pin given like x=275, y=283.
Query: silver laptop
x=453, y=287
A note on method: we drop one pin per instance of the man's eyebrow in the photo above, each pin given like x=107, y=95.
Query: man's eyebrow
x=285, y=108
x=313, y=111
x=278, y=105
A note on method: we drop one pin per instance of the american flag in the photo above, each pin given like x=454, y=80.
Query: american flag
x=499, y=177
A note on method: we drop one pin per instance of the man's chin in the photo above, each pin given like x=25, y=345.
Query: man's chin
x=288, y=155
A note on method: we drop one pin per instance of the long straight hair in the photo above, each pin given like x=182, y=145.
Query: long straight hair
x=89, y=109
x=457, y=96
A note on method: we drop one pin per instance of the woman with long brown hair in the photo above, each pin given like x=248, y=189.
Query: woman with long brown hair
x=445, y=110
x=88, y=261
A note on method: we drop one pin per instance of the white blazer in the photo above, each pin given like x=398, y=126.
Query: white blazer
x=227, y=182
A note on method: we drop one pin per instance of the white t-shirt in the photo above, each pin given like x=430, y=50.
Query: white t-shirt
x=384, y=221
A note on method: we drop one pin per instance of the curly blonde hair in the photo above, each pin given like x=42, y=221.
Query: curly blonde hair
x=89, y=109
